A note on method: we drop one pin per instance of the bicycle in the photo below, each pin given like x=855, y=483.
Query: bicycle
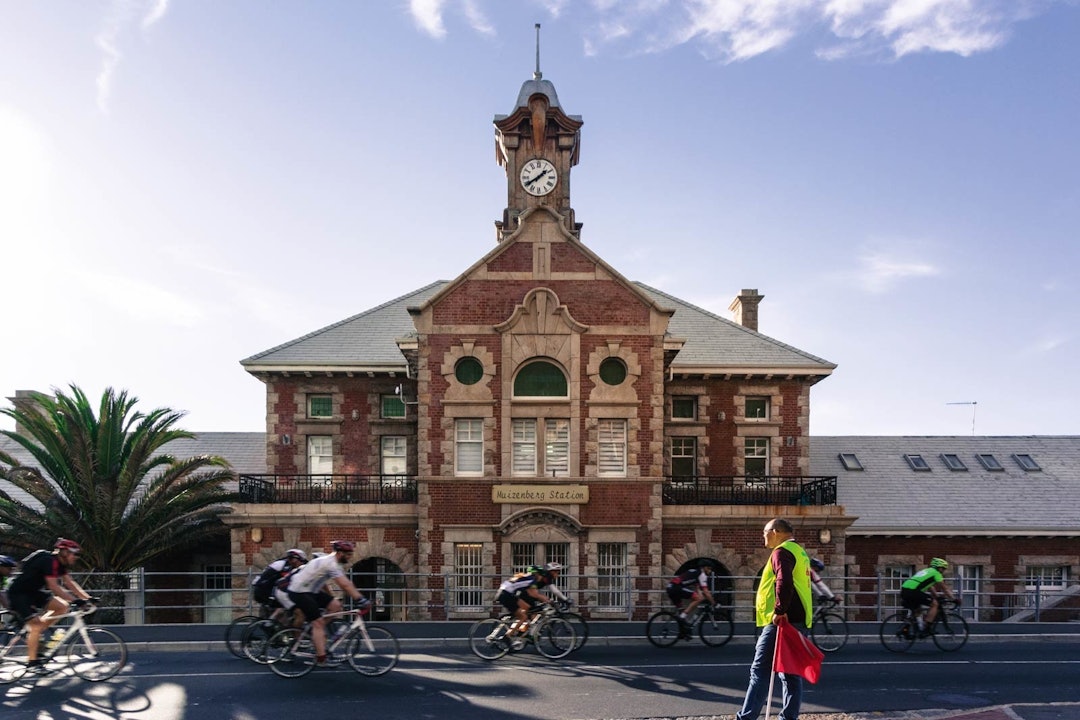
x=234, y=633
x=553, y=636
x=369, y=649
x=714, y=626
x=949, y=630
x=829, y=630
x=257, y=635
x=581, y=627
x=92, y=652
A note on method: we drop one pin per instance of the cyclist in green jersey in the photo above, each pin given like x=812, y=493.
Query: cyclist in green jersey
x=922, y=588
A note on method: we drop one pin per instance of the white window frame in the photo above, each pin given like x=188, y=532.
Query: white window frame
x=394, y=455
x=523, y=447
x=469, y=447
x=470, y=590
x=683, y=447
x=969, y=589
x=892, y=577
x=766, y=402
x=693, y=400
x=320, y=454
x=611, y=572
x=557, y=447
x=1045, y=580
x=312, y=397
x=611, y=447
x=756, y=449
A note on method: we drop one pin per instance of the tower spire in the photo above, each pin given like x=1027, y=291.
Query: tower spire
x=537, y=74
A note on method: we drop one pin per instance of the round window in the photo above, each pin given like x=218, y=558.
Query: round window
x=468, y=371
x=613, y=371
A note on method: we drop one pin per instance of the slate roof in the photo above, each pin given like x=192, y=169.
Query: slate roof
x=245, y=451
x=368, y=341
x=889, y=497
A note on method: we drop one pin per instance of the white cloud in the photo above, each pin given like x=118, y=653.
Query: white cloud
x=477, y=20
x=427, y=14
x=117, y=21
x=878, y=272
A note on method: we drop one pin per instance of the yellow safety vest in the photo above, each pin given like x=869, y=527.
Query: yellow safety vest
x=766, y=592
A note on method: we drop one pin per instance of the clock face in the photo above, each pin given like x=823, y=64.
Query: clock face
x=538, y=177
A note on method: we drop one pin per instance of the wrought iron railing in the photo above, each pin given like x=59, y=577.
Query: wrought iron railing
x=348, y=489
x=750, y=490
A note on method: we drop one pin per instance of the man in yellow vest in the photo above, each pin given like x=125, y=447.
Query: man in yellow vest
x=784, y=590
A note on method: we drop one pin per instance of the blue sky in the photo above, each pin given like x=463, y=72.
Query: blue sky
x=185, y=183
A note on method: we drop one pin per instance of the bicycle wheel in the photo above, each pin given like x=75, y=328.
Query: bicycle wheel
x=290, y=655
x=829, y=631
x=663, y=629
x=897, y=633
x=486, y=639
x=375, y=654
x=554, y=638
x=256, y=635
x=581, y=629
x=950, y=632
x=96, y=654
x=234, y=633
x=716, y=628
x=12, y=658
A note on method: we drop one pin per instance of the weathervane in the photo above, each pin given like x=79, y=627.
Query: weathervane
x=974, y=406
x=537, y=74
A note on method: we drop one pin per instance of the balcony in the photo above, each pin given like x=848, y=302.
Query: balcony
x=347, y=489
x=750, y=490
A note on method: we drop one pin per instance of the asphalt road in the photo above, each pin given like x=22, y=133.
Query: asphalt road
x=606, y=681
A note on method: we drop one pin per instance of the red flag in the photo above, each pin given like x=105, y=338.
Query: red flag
x=795, y=654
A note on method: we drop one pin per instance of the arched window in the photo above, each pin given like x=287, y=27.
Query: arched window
x=540, y=379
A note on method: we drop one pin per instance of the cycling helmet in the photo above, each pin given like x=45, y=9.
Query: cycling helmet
x=939, y=564
x=62, y=544
x=296, y=553
x=552, y=566
x=343, y=546
x=534, y=570
x=5, y=561
x=817, y=564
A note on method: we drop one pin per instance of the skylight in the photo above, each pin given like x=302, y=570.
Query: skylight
x=917, y=463
x=989, y=462
x=850, y=462
x=953, y=461
x=1026, y=462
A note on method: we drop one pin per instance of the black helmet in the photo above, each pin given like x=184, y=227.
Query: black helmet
x=6, y=561
x=817, y=564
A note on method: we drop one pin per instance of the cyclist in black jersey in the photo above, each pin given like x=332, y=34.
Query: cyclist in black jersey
x=45, y=586
x=693, y=585
x=521, y=593
x=6, y=566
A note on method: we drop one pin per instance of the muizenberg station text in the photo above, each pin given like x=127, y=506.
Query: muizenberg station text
x=540, y=493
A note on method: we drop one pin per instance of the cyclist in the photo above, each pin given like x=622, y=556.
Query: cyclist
x=921, y=589
x=45, y=585
x=822, y=592
x=693, y=584
x=264, y=586
x=520, y=594
x=7, y=564
x=306, y=590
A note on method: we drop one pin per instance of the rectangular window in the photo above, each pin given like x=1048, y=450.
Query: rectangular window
x=394, y=461
x=1026, y=462
x=757, y=408
x=320, y=453
x=916, y=462
x=891, y=580
x=217, y=594
x=684, y=407
x=320, y=406
x=953, y=462
x=523, y=444
x=756, y=457
x=969, y=589
x=611, y=591
x=989, y=462
x=1044, y=581
x=611, y=436
x=557, y=448
x=469, y=448
x=850, y=461
x=392, y=407
x=522, y=555
x=469, y=571
x=683, y=457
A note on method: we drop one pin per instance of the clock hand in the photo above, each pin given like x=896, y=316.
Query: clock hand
x=533, y=179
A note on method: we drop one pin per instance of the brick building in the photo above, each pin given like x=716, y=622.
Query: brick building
x=538, y=407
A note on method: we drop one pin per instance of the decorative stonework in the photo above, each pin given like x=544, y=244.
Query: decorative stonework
x=478, y=392
x=624, y=392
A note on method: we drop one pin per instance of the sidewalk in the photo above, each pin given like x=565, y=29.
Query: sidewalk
x=1024, y=711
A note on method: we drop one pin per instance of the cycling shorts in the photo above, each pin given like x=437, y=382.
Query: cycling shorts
x=311, y=604
x=28, y=604
x=678, y=593
x=509, y=600
x=915, y=599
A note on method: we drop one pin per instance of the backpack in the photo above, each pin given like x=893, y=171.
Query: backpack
x=264, y=585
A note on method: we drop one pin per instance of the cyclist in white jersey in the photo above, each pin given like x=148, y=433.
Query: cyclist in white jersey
x=307, y=591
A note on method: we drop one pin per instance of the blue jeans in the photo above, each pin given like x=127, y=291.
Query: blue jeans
x=758, y=689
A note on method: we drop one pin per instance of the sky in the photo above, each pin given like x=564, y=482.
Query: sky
x=186, y=183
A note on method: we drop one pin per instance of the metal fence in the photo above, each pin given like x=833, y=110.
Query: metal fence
x=216, y=597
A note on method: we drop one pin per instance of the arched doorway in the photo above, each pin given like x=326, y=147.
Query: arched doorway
x=383, y=583
x=720, y=584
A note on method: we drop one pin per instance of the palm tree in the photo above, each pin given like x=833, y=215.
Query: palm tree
x=107, y=481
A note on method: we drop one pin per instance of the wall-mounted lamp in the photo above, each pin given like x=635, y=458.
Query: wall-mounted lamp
x=256, y=534
x=825, y=536
x=355, y=414
x=790, y=441
x=286, y=440
x=720, y=416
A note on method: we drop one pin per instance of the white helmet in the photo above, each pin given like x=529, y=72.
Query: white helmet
x=552, y=566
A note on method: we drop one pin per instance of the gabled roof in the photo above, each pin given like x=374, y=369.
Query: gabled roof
x=368, y=341
x=245, y=451
x=889, y=497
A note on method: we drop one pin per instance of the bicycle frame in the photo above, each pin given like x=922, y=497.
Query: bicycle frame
x=78, y=625
x=93, y=653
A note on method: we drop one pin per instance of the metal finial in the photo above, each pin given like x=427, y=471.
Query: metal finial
x=537, y=75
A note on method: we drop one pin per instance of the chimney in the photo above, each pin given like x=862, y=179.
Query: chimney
x=744, y=308
x=23, y=400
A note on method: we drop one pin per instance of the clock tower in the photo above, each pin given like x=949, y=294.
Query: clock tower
x=537, y=144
